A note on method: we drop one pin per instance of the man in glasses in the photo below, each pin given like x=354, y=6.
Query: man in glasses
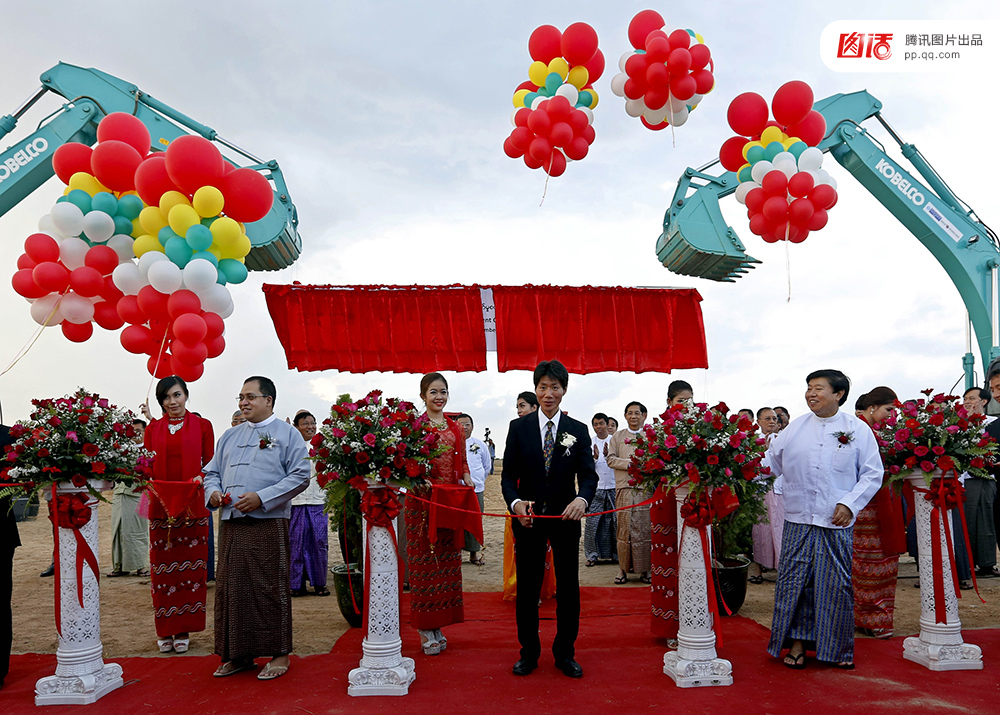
x=258, y=467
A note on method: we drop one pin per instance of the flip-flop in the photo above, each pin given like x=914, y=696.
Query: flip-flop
x=621, y=579
x=116, y=573
x=232, y=667
x=590, y=563
x=271, y=672
x=798, y=661
x=844, y=666
x=645, y=579
x=755, y=579
x=142, y=572
x=321, y=591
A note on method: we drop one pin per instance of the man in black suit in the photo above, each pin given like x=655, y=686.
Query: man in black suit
x=548, y=469
x=9, y=540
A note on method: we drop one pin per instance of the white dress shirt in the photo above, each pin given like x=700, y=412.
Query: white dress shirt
x=816, y=472
x=479, y=462
x=605, y=474
x=543, y=421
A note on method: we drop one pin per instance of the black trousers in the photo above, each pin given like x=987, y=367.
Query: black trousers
x=529, y=553
x=6, y=617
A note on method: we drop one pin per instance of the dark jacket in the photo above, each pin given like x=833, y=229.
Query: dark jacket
x=9, y=538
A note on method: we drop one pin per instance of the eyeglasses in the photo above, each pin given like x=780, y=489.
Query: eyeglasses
x=240, y=398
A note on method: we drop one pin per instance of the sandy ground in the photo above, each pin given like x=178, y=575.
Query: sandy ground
x=127, y=620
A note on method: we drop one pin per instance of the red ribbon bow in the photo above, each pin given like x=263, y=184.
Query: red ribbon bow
x=71, y=511
x=379, y=506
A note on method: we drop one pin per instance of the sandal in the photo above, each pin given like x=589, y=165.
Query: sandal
x=844, y=665
x=165, y=645
x=271, y=672
x=590, y=563
x=621, y=579
x=181, y=645
x=231, y=667
x=965, y=585
x=321, y=591
x=142, y=572
x=430, y=645
x=296, y=592
x=755, y=579
x=116, y=573
x=798, y=661
x=645, y=578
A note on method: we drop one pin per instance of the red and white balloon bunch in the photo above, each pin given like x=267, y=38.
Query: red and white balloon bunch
x=553, y=118
x=666, y=76
x=782, y=183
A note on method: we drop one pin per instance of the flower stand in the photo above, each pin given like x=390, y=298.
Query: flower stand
x=383, y=669
x=82, y=677
x=695, y=662
x=939, y=645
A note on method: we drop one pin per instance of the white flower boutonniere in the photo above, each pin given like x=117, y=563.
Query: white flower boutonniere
x=267, y=442
x=567, y=442
x=474, y=449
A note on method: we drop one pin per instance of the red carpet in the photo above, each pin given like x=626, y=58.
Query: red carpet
x=622, y=662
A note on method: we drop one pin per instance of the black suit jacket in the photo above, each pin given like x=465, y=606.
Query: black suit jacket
x=9, y=537
x=571, y=474
x=993, y=430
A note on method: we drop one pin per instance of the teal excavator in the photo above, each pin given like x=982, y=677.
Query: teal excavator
x=90, y=96
x=697, y=242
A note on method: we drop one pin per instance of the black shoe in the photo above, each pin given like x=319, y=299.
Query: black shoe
x=570, y=668
x=991, y=572
x=524, y=667
x=50, y=571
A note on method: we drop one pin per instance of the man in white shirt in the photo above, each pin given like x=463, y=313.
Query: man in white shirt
x=599, y=532
x=477, y=456
x=828, y=468
x=308, y=527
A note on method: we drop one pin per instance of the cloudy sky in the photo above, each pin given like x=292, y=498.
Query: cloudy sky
x=388, y=118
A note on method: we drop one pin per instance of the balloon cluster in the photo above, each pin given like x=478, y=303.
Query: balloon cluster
x=666, y=76
x=782, y=183
x=553, y=114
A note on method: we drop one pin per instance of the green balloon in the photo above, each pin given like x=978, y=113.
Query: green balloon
x=207, y=222
x=130, y=207
x=178, y=251
x=772, y=150
x=797, y=148
x=199, y=237
x=62, y=199
x=165, y=234
x=80, y=198
x=221, y=278
x=745, y=174
x=103, y=201
x=584, y=99
x=553, y=82
x=755, y=154
x=234, y=271
x=123, y=226
x=207, y=256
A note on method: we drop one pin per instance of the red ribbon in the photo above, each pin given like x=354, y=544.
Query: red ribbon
x=71, y=511
x=696, y=511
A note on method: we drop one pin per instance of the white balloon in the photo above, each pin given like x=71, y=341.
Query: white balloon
x=76, y=309
x=164, y=276
x=42, y=308
x=810, y=159
x=72, y=252
x=678, y=118
x=512, y=115
x=623, y=59
x=147, y=259
x=783, y=156
x=228, y=311
x=45, y=225
x=760, y=169
x=635, y=107
x=618, y=84
x=98, y=226
x=655, y=116
x=200, y=275
x=696, y=99
x=677, y=105
x=569, y=92
x=743, y=189
x=122, y=245
x=821, y=176
x=216, y=299
x=538, y=102
x=67, y=218
x=786, y=167
x=128, y=278
x=832, y=182
x=590, y=113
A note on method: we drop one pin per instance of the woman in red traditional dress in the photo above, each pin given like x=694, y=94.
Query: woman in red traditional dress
x=436, y=568
x=879, y=538
x=182, y=443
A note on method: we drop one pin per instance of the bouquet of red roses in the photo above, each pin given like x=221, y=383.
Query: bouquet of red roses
x=932, y=434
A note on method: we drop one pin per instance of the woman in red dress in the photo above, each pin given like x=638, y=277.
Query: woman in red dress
x=182, y=443
x=879, y=538
x=436, y=568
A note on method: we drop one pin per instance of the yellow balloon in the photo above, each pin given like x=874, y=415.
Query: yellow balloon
x=559, y=66
x=171, y=199
x=85, y=182
x=787, y=143
x=208, y=201
x=519, y=96
x=746, y=147
x=578, y=77
x=216, y=252
x=137, y=229
x=226, y=232
x=697, y=36
x=770, y=134
x=151, y=219
x=242, y=247
x=146, y=243
x=181, y=218
x=593, y=93
x=537, y=73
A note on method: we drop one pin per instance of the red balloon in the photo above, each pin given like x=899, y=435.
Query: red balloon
x=655, y=127
x=248, y=195
x=679, y=61
x=161, y=369
x=24, y=284
x=159, y=328
x=731, y=153
x=188, y=373
x=700, y=56
x=24, y=262
x=110, y=292
x=818, y=220
x=114, y=164
x=520, y=138
x=526, y=84
x=657, y=77
x=636, y=66
x=703, y=81
x=769, y=237
x=540, y=149
x=775, y=209
x=152, y=303
x=540, y=123
x=594, y=67
x=181, y=302
x=774, y=183
x=510, y=150
x=102, y=258
x=215, y=346
x=634, y=89
x=71, y=158
x=151, y=179
x=589, y=134
x=50, y=276
x=657, y=50
x=556, y=164
x=800, y=184
x=680, y=38
x=137, y=339
x=755, y=199
x=531, y=162
x=213, y=321
x=193, y=162
x=41, y=247
x=190, y=328
x=800, y=211
x=792, y=102
x=747, y=114
x=561, y=134
x=106, y=315
x=823, y=196
x=189, y=354
x=129, y=310
x=797, y=234
x=758, y=225
x=641, y=25
x=656, y=98
x=77, y=333
x=544, y=43
x=558, y=108
x=123, y=127
x=577, y=149
x=811, y=130
x=684, y=87
x=578, y=43
x=86, y=281
x=521, y=117
x=578, y=120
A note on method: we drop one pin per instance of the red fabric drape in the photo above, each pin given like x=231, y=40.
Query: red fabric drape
x=379, y=328
x=599, y=329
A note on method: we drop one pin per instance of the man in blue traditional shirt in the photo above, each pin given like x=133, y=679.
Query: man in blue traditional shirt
x=258, y=467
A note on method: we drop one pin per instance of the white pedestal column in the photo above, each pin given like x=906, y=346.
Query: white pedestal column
x=82, y=676
x=695, y=662
x=939, y=645
x=383, y=669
